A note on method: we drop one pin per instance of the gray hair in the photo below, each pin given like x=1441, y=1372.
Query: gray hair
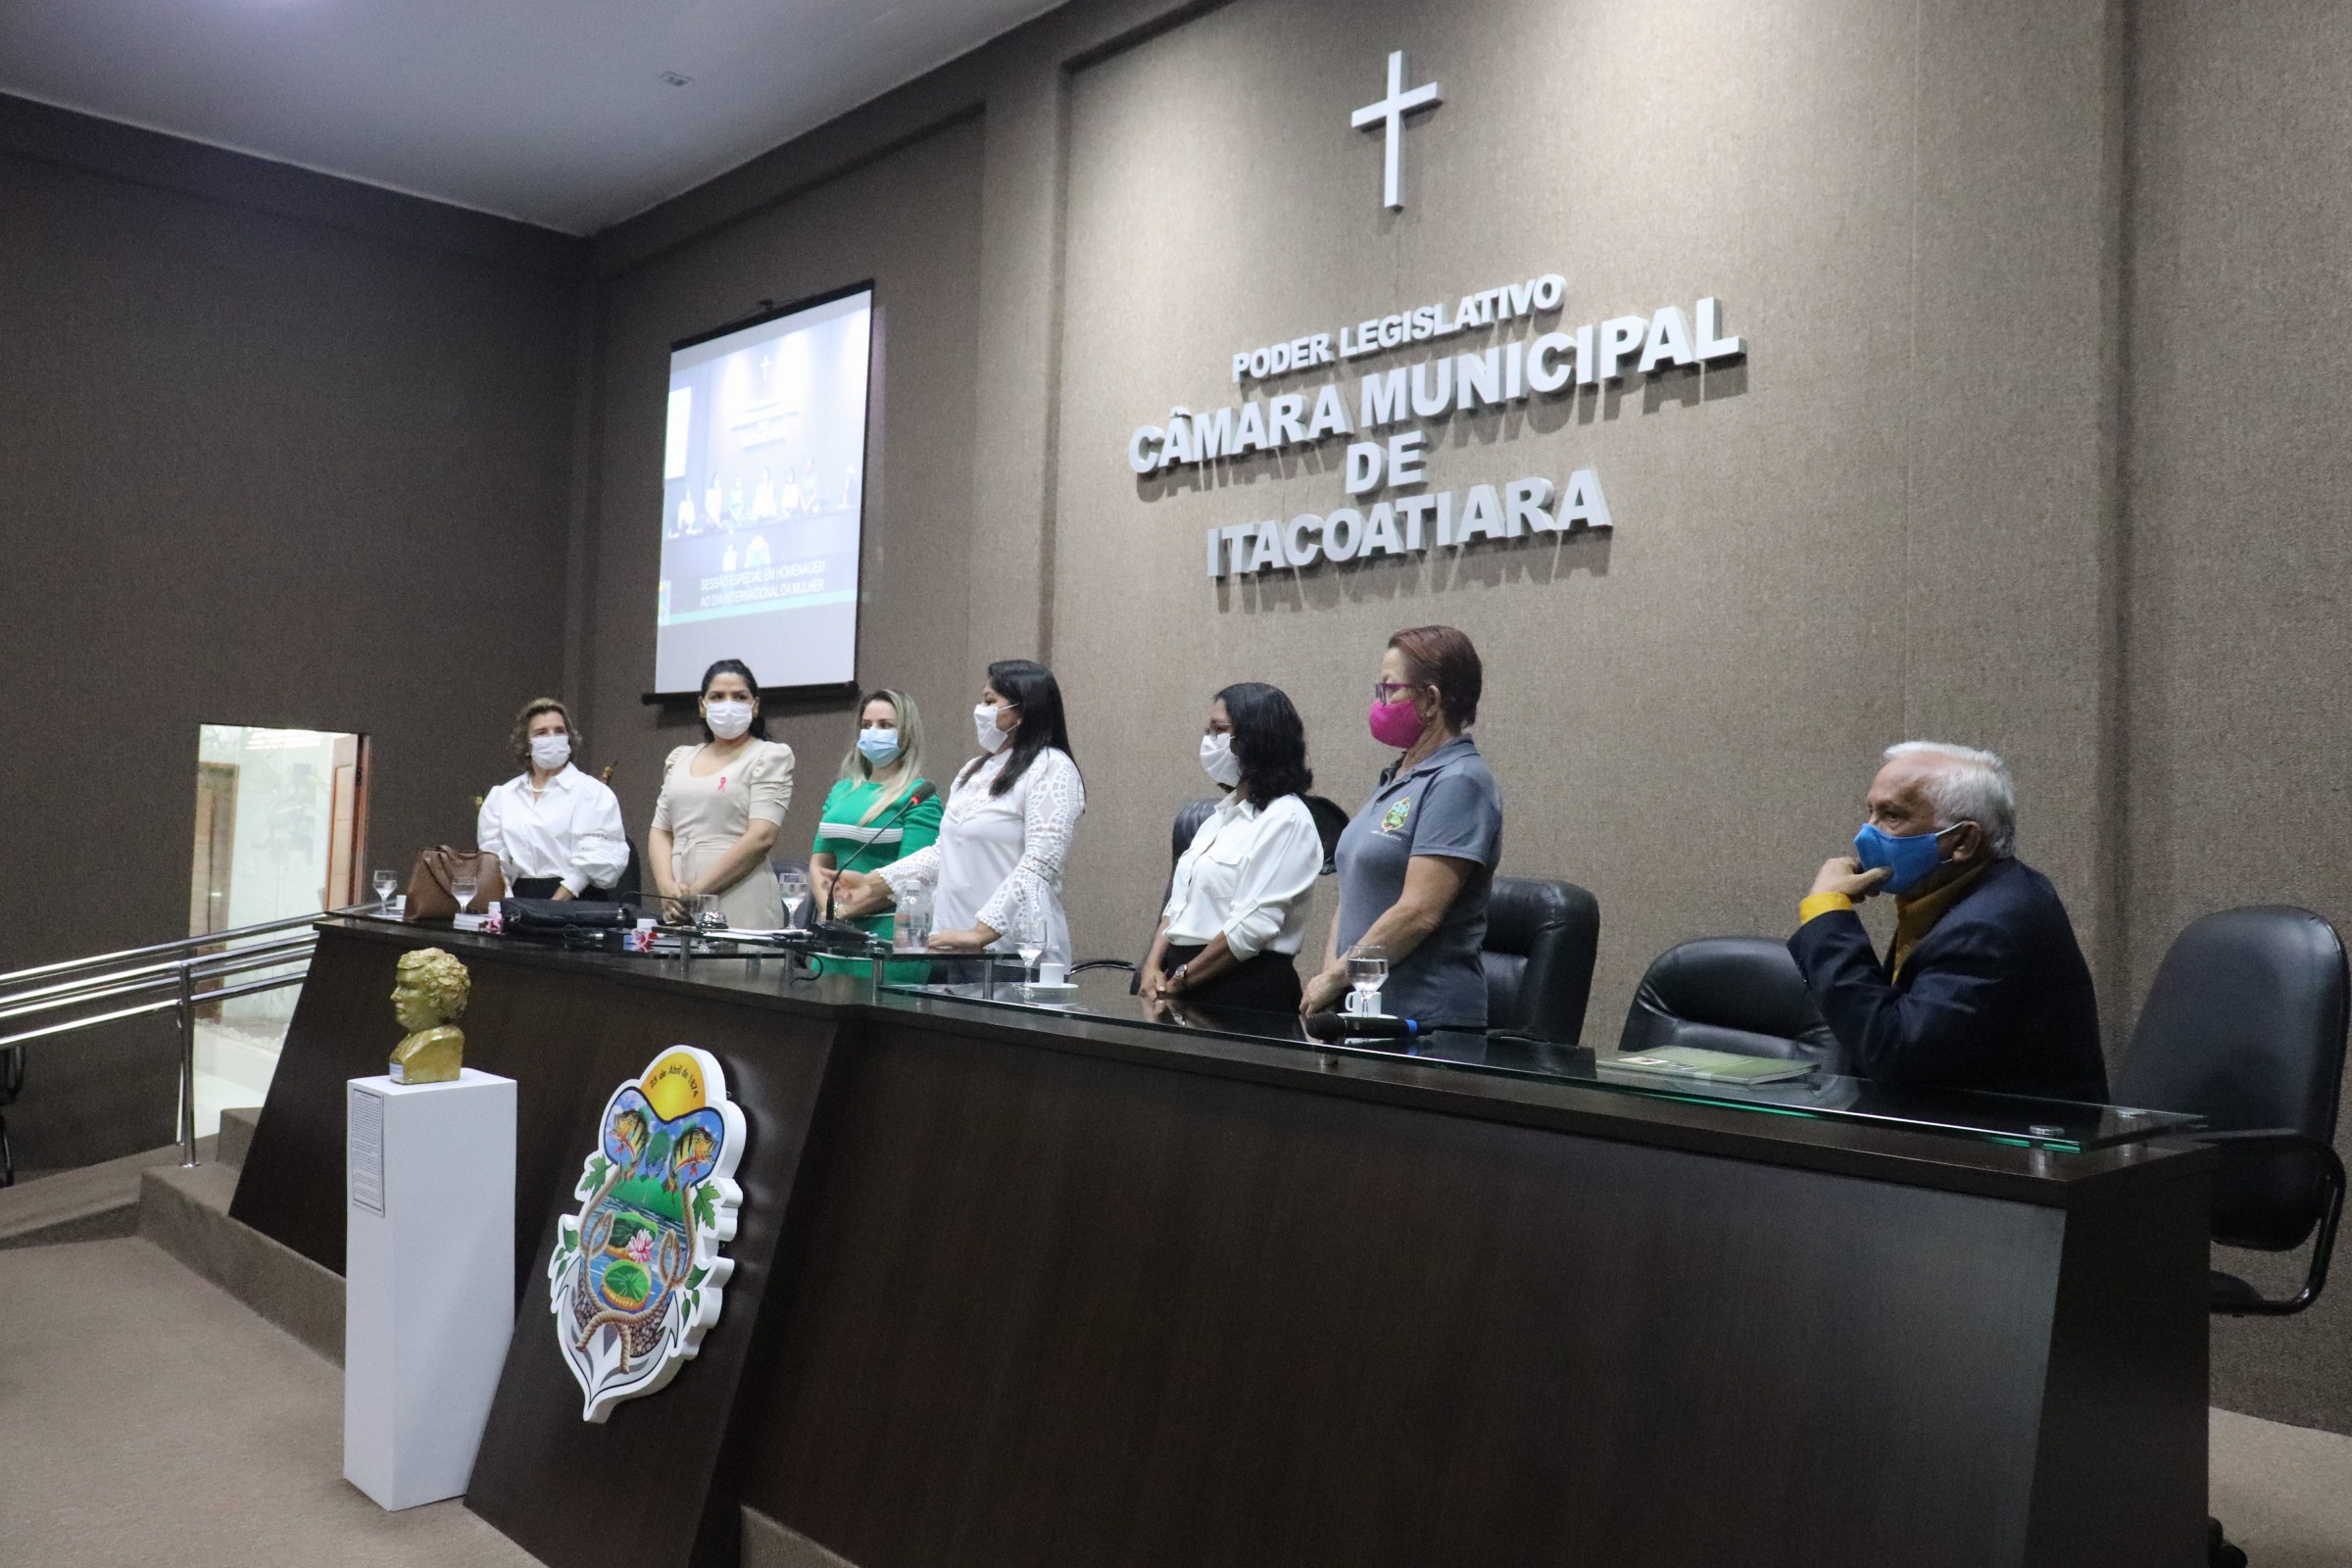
x=1972, y=786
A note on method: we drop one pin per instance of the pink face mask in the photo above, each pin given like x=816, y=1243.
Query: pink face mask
x=1397, y=725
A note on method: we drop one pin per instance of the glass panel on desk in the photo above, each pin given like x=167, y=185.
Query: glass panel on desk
x=2063, y=1126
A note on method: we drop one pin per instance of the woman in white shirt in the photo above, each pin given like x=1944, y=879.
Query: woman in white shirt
x=1005, y=836
x=556, y=831
x=721, y=805
x=1237, y=907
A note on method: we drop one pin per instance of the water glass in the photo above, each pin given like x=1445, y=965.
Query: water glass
x=1367, y=971
x=384, y=881
x=462, y=889
x=793, y=884
x=1029, y=939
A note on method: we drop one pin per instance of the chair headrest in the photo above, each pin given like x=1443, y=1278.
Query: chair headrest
x=1746, y=983
x=1521, y=912
x=2244, y=1024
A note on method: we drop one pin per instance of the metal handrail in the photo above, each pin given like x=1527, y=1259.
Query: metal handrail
x=236, y=962
x=112, y=977
x=211, y=939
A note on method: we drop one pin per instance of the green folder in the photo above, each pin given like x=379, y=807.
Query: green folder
x=1710, y=1066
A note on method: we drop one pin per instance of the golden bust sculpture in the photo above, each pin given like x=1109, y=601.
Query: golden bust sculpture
x=431, y=993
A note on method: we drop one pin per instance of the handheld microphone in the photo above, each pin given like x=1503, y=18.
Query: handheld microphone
x=1355, y=1026
x=915, y=797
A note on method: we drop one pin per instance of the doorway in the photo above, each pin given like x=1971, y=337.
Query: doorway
x=280, y=831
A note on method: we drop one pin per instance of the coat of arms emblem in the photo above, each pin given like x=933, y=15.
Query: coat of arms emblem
x=637, y=1279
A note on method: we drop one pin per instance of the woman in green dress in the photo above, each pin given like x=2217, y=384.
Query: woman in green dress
x=862, y=826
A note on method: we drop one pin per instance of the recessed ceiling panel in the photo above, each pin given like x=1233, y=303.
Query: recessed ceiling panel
x=572, y=113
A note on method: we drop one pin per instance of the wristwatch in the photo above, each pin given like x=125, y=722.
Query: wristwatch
x=1175, y=980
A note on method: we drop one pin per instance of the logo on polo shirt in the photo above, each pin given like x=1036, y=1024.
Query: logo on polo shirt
x=1400, y=811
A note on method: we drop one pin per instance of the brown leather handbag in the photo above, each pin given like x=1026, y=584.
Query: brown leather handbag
x=429, y=894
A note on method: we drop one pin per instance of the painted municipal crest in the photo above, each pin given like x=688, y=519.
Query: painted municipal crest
x=636, y=1279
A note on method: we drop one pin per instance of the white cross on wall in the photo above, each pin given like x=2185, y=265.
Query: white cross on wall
x=1390, y=112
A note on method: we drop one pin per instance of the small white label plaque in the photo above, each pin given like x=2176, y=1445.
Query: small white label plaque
x=368, y=1151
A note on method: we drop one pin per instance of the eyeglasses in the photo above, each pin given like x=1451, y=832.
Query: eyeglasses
x=1384, y=691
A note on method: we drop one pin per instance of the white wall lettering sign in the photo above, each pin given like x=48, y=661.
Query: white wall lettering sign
x=1389, y=509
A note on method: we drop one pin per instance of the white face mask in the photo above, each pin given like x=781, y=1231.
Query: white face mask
x=727, y=718
x=1218, y=762
x=983, y=725
x=550, y=752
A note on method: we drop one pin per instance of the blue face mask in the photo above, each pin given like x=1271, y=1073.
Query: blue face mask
x=878, y=746
x=1908, y=858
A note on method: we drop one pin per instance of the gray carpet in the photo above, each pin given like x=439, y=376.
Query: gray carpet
x=148, y=1417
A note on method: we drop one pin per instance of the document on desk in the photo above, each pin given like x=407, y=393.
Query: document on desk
x=1710, y=1066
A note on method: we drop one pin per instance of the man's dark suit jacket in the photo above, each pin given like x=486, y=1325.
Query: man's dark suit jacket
x=1996, y=996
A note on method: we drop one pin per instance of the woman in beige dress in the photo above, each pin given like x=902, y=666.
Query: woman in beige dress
x=721, y=806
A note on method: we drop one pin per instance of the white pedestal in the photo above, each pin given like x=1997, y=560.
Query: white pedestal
x=428, y=1280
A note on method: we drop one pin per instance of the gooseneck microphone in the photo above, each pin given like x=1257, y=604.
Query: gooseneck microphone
x=1357, y=1026
x=839, y=928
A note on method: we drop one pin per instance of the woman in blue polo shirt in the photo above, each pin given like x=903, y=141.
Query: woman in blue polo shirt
x=1415, y=863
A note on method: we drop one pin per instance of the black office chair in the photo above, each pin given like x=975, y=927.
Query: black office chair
x=1743, y=995
x=12, y=1084
x=627, y=886
x=2245, y=1027
x=1541, y=939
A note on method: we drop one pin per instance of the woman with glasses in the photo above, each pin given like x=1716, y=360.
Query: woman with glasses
x=1415, y=863
x=1236, y=916
x=1005, y=836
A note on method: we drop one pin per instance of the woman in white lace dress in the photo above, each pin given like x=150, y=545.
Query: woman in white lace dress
x=1004, y=837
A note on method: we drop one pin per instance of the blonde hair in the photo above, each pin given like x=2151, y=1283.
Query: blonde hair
x=905, y=768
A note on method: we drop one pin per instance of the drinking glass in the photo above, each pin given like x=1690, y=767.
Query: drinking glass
x=793, y=884
x=1367, y=969
x=706, y=912
x=1029, y=936
x=384, y=882
x=462, y=889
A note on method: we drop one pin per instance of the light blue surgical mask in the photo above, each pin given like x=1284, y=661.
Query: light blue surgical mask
x=1909, y=858
x=879, y=746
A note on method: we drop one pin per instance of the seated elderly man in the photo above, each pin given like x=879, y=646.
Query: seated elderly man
x=1983, y=986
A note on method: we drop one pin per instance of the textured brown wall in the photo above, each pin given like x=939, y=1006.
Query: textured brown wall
x=1849, y=539
x=909, y=221
x=260, y=468
x=2240, y=635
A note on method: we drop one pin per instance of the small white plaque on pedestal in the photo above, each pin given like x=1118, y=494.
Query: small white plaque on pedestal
x=428, y=1280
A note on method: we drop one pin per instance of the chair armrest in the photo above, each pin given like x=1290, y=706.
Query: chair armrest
x=2288, y=1141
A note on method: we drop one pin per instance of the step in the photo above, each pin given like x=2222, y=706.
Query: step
x=768, y=1543
x=237, y=1133
x=84, y=1205
x=186, y=1213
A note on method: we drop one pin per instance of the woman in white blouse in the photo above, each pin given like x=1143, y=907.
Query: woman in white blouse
x=721, y=806
x=556, y=831
x=1237, y=907
x=1004, y=837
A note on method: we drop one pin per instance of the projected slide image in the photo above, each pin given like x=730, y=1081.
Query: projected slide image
x=762, y=499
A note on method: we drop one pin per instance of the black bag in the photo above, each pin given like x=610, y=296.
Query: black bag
x=553, y=919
